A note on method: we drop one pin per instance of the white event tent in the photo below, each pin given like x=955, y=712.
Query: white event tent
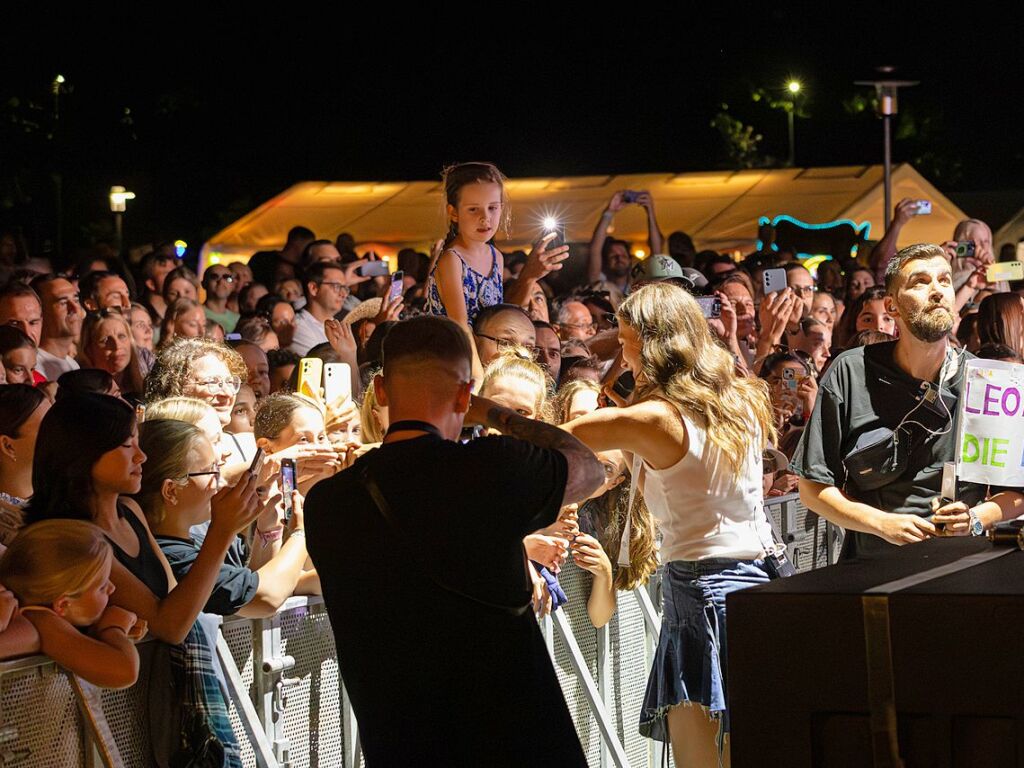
x=719, y=209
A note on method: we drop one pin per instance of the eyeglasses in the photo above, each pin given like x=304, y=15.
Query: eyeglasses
x=230, y=384
x=226, y=277
x=214, y=472
x=506, y=344
x=801, y=290
x=338, y=287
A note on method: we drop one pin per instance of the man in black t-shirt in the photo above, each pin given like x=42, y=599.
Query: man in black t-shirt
x=853, y=473
x=429, y=598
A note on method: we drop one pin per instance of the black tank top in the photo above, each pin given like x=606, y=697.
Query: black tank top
x=146, y=567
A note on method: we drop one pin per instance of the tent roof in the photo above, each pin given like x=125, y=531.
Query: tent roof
x=719, y=209
x=1011, y=232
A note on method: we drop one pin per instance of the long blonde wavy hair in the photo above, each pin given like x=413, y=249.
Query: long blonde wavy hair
x=682, y=362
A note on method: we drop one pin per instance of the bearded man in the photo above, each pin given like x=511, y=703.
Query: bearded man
x=885, y=421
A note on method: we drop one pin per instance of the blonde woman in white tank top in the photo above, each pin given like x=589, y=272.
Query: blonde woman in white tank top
x=696, y=432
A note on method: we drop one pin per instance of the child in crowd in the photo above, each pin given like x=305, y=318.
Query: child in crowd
x=467, y=276
x=179, y=481
x=520, y=384
x=240, y=429
x=60, y=572
x=19, y=356
x=284, y=421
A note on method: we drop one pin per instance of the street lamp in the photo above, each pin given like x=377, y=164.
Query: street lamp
x=886, y=89
x=119, y=198
x=793, y=86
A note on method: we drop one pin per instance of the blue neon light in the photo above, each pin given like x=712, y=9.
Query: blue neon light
x=860, y=229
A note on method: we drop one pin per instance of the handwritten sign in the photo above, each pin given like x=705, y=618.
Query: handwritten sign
x=991, y=436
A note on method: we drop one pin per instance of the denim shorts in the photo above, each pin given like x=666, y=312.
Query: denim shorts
x=690, y=661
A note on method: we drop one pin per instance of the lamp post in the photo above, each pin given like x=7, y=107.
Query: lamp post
x=793, y=86
x=119, y=198
x=887, y=88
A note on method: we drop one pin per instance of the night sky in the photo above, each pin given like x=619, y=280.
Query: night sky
x=224, y=115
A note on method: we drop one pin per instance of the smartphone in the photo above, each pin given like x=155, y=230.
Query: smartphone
x=232, y=337
x=287, y=486
x=257, y=462
x=624, y=385
x=924, y=208
x=373, y=269
x=774, y=280
x=1005, y=270
x=140, y=413
x=311, y=371
x=965, y=249
x=949, y=482
x=711, y=306
x=337, y=382
x=397, y=285
x=792, y=379
x=629, y=196
x=554, y=234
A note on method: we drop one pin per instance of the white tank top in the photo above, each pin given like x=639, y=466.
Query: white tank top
x=704, y=507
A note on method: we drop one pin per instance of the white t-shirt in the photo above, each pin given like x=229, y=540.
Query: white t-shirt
x=704, y=507
x=51, y=366
x=308, y=333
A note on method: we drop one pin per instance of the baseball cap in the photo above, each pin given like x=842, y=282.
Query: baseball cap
x=655, y=267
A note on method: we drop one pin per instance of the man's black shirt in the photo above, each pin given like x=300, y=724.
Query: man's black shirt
x=435, y=678
x=863, y=392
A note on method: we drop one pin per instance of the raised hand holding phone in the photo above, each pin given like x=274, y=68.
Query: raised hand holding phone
x=234, y=507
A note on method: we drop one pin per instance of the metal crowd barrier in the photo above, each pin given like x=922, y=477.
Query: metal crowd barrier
x=288, y=704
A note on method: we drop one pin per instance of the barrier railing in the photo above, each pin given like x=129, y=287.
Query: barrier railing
x=288, y=705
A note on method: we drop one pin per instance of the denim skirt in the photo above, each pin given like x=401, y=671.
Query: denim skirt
x=690, y=661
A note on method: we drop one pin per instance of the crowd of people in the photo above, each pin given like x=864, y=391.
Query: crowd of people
x=147, y=415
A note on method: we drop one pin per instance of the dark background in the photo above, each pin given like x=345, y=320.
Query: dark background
x=205, y=117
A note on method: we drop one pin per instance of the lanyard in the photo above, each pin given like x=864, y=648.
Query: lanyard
x=415, y=426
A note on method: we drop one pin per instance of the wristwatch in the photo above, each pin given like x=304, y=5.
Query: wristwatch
x=977, y=527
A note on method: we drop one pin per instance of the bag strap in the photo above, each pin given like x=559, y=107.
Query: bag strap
x=385, y=510
x=775, y=544
x=627, y=529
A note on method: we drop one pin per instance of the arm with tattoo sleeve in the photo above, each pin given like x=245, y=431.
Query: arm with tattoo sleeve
x=585, y=473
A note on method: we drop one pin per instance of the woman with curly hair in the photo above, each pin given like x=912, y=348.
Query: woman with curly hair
x=694, y=434
x=200, y=368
